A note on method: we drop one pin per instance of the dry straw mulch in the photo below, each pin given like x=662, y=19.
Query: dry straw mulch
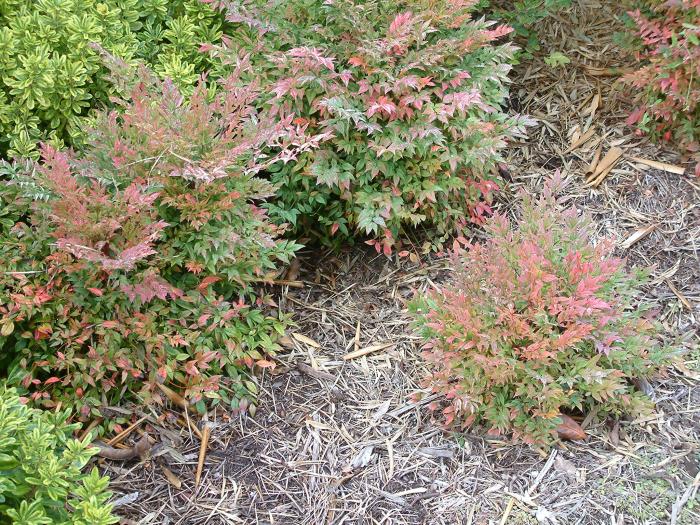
x=337, y=439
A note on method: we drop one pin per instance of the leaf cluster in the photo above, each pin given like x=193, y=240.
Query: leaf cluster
x=524, y=16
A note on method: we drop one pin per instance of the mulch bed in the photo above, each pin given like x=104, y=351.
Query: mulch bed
x=337, y=438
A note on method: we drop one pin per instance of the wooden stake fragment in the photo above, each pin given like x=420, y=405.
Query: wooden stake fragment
x=206, y=433
x=638, y=236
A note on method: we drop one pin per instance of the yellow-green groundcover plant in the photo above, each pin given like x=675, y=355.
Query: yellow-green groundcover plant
x=52, y=76
x=41, y=469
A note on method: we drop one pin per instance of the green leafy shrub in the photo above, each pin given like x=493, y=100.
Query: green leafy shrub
x=411, y=94
x=51, y=77
x=667, y=85
x=524, y=15
x=136, y=265
x=534, y=323
x=40, y=469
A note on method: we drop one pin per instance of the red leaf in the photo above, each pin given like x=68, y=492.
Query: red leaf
x=206, y=282
x=635, y=116
x=96, y=291
x=51, y=380
x=42, y=332
x=401, y=24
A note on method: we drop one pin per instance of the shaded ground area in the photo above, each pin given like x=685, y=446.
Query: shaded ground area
x=337, y=440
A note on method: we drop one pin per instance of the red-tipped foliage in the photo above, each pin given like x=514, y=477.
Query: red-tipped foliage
x=138, y=265
x=668, y=81
x=114, y=230
x=534, y=322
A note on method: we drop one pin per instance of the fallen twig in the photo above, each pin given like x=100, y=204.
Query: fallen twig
x=367, y=350
x=683, y=499
x=665, y=166
x=682, y=298
x=637, y=236
x=318, y=374
x=91, y=427
x=125, y=433
x=285, y=282
x=543, y=472
x=506, y=513
x=191, y=426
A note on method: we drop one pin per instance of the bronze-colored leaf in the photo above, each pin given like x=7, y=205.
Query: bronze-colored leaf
x=286, y=341
x=570, y=429
x=615, y=434
x=171, y=477
x=173, y=396
x=293, y=270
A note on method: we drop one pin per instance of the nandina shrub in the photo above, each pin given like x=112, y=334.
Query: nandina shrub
x=411, y=94
x=536, y=322
x=137, y=263
x=667, y=83
x=524, y=16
